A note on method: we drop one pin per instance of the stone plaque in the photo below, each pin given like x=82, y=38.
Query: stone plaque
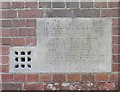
x=74, y=44
x=69, y=45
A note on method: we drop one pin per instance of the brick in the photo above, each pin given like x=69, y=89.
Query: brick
x=44, y=4
x=11, y=86
x=9, y=14
x=0, y=57
x=26, y=31
x=87, y=77
x=6, y=23
x=1, y=34
x=19, y=78
x=86, y=4
x=0, y=71
x=5, y=59
x=30, y=22
x=6, y=32
x=18, y=42
x=116, y=58
x=5, y=68
x=58, y=4
x=72, y=4
x=106, y=86
x=118, y=21
x=30, y=4
x=116, y=40
x=19, y=23
x=113, y=4
x=86, y=86
x=6, y=5
x=17, y=4
x=1, y=22
x=6, y=41
x=115, y=22
x=116, y=68
x=114, y=77
x=110, y=86
x=45, y=77
x=34, y=87
x=115, y=31
x=59, y=77
x=58, y=13
x=109, y=13
x=31, y=41
x=117, y=86
x=5, y=50
x=101, y=77
x=86, y=13
x=116, y=49
x=30, y=13
x=14, y=32
x=32, y=78
x=1, y=50
x=101, y=4
x=73, y=77
x=7, y=77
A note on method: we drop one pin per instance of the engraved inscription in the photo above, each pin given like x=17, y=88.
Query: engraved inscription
x=79, y=45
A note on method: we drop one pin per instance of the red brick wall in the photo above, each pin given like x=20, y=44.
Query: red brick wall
x=19, y=29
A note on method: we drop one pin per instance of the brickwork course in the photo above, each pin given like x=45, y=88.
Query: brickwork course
x=18, y=28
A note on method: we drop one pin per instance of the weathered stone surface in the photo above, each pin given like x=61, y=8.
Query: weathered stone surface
x=86, y=13
x=72, y=4
x=45, y=5
x=58, y=4
x=58, y=13
x=74, y=45
x=11, y=86
x=86, y=4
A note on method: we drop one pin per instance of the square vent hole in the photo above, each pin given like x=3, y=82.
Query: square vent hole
x=21, y=58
